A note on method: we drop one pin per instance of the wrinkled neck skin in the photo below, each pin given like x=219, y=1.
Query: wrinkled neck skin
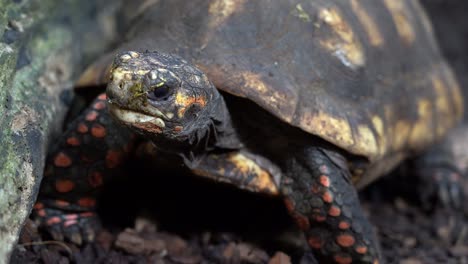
x=212, y=132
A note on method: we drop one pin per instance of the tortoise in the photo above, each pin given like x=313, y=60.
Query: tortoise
x=309, y=100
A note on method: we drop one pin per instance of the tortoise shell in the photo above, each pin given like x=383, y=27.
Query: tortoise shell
x=365, y=75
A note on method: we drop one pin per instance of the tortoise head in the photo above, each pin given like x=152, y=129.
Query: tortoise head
x=161, y=96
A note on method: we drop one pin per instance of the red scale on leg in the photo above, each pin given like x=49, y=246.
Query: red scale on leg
x=87, y=202
x=91, y=116
x=38, y=206
x=345, y=240
x=73, y=141
x=54, y=220
x=62, y=203
x=315, y=242
x=69, y=223
x=82, y=128
x=334, y=211
x=98, y=131
x=62, y=160
x=102, y=96
x=64, y=186
x=99, y=105
x=324, y=180
x=343, y=258
x=327, y=197
x=361, y=249
x=343, y=225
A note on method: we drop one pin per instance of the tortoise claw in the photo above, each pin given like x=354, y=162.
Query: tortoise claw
x=77, y=228
x=442, y=187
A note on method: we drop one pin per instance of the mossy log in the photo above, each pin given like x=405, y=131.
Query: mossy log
x=44, y=44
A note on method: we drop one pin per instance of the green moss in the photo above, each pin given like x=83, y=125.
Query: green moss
x=30, y=106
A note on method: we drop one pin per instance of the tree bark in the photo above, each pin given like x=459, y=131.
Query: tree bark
x=44, y=44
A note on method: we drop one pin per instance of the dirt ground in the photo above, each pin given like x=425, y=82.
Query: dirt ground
x=175, y=218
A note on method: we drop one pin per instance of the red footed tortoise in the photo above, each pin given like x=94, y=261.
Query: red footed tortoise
x=309, y=100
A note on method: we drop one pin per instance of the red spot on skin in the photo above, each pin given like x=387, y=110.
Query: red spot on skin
x=62, y=160
x=41, y=213
x=98, y=131
x=99, y=105
x=87, y=214
x=361, y=250
x=64, y=186
x=38, y=206
x=327, y=197
x=177, y=129
x=301, y=221
x=73, y=141
x=95, y=179
x=69, y=223
x=71, y=217
x=113, y=158
x=91, y=116
x=82, y=128
x=62, y=203
x=53, y=220
x=319, y=218
x=343, y=259
x=324, y=180
x=289, y=205
x=345, y=240
x=334, y=211
x=315, y=242
x=86, y=202
x=102, y=96
x=344, y=225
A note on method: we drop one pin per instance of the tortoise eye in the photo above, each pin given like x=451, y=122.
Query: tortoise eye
x=160, y=93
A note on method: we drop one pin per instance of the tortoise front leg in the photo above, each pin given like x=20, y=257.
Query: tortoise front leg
x=89, y=153
x=324, y=203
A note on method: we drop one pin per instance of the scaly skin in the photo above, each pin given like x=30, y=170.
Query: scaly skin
x=323, y=202
x=84, y=158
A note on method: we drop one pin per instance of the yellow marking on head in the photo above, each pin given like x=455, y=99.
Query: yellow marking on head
x=301, y=14
x=371, y=28
x=344, y=44
x=400, y=15
x=184, y=102
x=262, y=180
x=422, y=133
x=442, y=105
